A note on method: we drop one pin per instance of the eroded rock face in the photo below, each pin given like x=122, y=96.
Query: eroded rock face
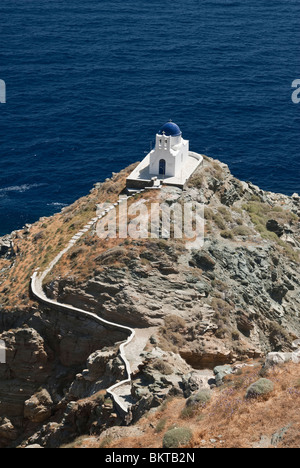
x=50, y=358
x=27, y=365
x=250, y=288
x=203, y=260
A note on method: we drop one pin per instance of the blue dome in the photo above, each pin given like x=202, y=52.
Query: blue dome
x=170, y=129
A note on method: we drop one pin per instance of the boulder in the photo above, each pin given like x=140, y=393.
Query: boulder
x=279, y=435
x=203, y=261
x=39, y=407
x=278, y=291
x=6, y=246
x=281, y=358
x=190, y=384
x=7, y=430
x=197, y=380
x=244, y=324
x=273, y=226
x=220, y=372
x=97, y=363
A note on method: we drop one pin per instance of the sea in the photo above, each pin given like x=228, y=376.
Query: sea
x=89, y=83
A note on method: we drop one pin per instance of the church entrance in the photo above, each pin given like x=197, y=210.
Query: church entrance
x=162, y=167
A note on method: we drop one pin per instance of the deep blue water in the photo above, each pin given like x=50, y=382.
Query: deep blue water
x=90, y=82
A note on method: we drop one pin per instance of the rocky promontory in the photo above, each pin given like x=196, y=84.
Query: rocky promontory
x=231, y=303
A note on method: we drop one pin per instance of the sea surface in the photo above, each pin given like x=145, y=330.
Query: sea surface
x=89, y=83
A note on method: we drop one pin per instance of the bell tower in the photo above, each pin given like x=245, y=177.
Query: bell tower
x=170, y=153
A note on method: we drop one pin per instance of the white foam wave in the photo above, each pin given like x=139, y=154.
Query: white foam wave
x=56, y=204
x=19, y=188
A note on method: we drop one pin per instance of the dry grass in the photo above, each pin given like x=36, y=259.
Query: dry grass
x=240, y=423
x=171, y=335
x=260, y=213
x=47, y=237
x=92, y=254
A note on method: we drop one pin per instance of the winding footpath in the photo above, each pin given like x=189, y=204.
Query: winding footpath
x=121, y=391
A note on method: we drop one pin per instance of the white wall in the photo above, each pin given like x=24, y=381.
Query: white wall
x=174, y=150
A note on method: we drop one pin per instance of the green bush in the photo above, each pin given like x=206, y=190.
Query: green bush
x=260, y=388
x=208, y=213
x=227, y=234
x=242, y=231
x=225, y=212
x=219, y=221
x=188, y=412
x=177, y=437
x=235, y=335
x=161, y=425
x=194, y=402
x=200, y=398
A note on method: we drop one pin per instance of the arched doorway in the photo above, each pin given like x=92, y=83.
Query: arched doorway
x=162, y=167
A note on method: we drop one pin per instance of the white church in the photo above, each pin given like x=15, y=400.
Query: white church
x=169, y=163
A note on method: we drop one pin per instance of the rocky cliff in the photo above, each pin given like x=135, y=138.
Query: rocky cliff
x=237, y=298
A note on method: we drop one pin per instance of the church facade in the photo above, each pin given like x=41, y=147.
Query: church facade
x=169, y=163
x=170, y=153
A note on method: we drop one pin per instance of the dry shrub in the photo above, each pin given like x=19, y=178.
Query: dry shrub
x=175, y=323
x=226, y=213
x=171, y=334
x=221, y=307
x=219, y=221
x=227, y=234
x=162, y=367
x=161, y=425
x=196, y=180
x=177, y=437
x=243, y=231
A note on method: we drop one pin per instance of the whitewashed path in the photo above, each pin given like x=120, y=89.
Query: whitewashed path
x=130, y=350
